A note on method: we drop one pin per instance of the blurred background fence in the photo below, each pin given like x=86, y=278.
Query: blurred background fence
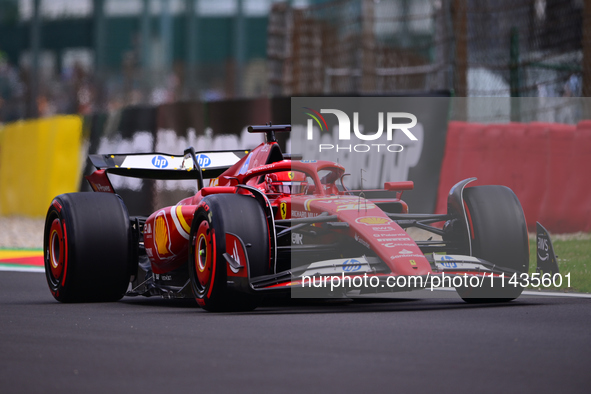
x=83, y=56
x=493, y=48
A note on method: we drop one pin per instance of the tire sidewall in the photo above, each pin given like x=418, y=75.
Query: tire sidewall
x=227, y=213
x=97, y=247
x=498, y=232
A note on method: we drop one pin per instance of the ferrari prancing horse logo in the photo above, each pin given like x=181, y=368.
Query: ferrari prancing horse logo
x=283, y=210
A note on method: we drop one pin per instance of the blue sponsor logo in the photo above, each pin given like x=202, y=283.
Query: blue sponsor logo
x=449, y=265
x=203, y=160
x=160, y=162
x=351, y=265
x=245, y=166
x=308, y=161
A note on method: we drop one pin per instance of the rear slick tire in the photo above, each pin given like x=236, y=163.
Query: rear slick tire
x=499, y=235
x=87, y=247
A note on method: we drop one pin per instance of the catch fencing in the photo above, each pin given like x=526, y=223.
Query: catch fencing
x=485, y=48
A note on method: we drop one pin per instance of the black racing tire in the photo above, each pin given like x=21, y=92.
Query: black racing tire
x=499, y=235
x=87, y=247
x=226, y=213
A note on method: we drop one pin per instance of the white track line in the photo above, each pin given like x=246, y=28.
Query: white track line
x=553, y=294
x=22, y=269
x=534, y=293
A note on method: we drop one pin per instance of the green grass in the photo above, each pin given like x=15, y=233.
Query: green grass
x=574, y=257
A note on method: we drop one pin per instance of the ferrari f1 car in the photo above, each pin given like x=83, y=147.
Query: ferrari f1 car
x=269, y=224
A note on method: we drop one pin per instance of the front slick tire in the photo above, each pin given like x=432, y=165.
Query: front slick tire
x=499, y=235
x=226, y=213
x=87, y=247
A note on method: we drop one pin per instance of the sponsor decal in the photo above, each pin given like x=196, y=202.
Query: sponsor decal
x=283, y=210
x=159, y=162
x=448, y=264
x=543, y=248
x=355, y=207
x=245, y=165
x=147, y=228
x=390, y=239
x=404, y=251
x=101, y=188
x=303, y=214
x=149, y=252
x=406, y=255
x=330, y=200
x=297, y=239
x=343, y=200
x=412, y=262
x=261, y=168
x=351, y=265
x=373, y=220
x=161, y=235
x=386, y=228
x=203, y=160
x=361, y=241
x=308, y=161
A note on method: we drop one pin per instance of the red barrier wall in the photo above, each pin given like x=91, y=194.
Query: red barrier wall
x=547, y=165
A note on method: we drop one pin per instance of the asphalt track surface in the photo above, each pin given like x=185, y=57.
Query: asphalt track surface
x=148, y=345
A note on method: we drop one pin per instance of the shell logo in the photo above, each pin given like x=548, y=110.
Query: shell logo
x=161, y=233
x=373, y=220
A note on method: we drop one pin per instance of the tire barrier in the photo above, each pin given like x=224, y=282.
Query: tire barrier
x=39, y=159
x=546, y=165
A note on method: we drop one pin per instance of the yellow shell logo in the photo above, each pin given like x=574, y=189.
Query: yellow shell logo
x=373, y=220
x=161, y=235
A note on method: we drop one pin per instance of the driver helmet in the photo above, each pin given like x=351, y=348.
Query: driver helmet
x=286, y=182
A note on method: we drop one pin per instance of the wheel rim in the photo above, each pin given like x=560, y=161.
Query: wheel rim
x=55, y=250
x=203, y=257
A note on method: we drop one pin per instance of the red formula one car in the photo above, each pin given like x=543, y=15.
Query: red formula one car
x=270, y=225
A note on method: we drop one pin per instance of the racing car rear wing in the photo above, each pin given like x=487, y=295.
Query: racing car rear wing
x=190, y=165
x=269, y=130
